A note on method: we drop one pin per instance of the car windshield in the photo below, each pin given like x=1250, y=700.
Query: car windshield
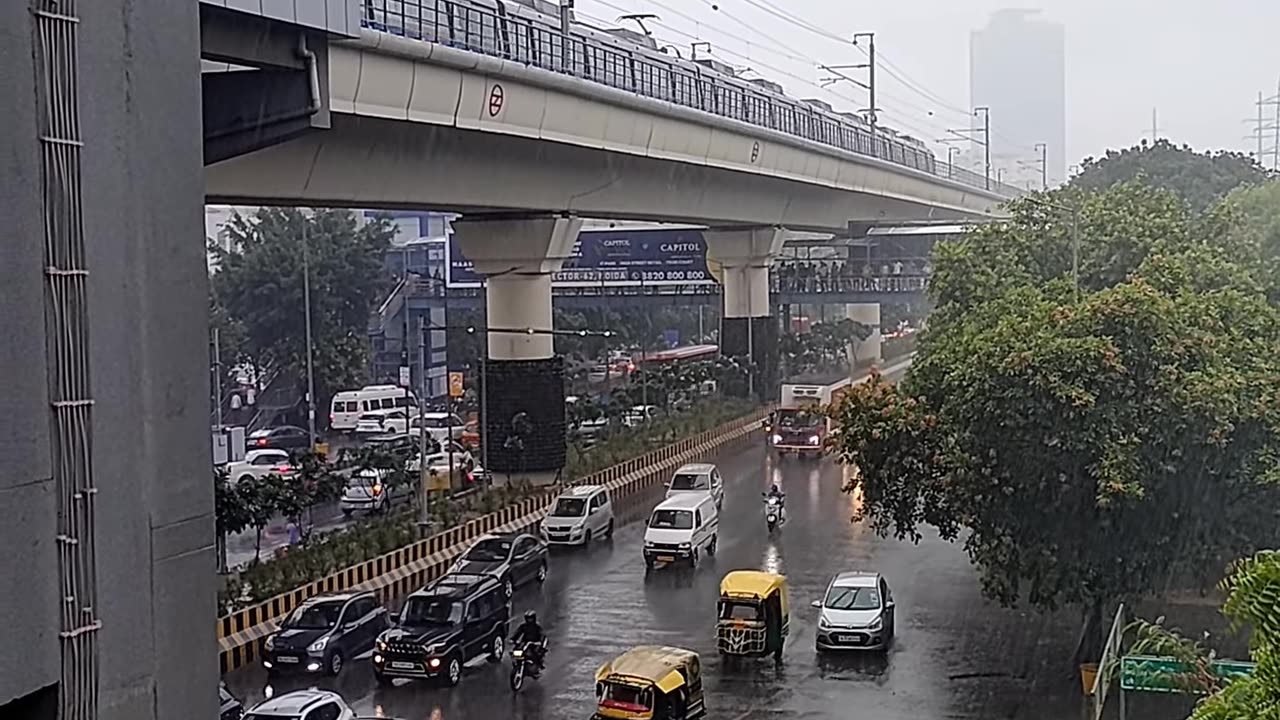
x=431, y=611
x=320, y=616
x=490, y=550
x=739, y=610
x=685, y=481
x=798, y=419
x=672, y=519
x=569, y=507
x=852, y=598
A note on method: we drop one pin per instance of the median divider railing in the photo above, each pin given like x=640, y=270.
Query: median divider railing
x=240, y=634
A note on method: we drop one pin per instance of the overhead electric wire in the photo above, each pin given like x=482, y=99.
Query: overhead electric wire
x=929, y=133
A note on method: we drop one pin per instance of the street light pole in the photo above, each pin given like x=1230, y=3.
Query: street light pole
x=306, y=303
x=217, y=378
x=951, y=163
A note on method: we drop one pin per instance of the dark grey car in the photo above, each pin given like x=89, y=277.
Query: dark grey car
x=325, y=632
x=512, y=558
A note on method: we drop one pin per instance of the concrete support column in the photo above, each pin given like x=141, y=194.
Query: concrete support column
x=748, y=331
x=522, y=380
x=866, y=352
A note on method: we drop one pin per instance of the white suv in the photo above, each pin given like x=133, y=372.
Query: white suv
x=578, y=516
x=310, y=704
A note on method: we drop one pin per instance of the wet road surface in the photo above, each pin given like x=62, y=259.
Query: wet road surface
x=955, y=656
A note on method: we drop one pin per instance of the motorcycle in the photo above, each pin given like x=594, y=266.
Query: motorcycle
x=775, y=513
x=523, y=665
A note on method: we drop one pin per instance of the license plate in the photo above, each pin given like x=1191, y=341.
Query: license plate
x=855, y=639
x=666, y=558
x=402, y=666
x=286, y=659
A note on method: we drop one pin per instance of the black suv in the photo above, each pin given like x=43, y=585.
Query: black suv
x=442, y=627
x=324, y=632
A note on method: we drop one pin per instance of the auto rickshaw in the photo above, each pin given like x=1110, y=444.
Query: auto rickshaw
x=650, y=683
x=754, y=614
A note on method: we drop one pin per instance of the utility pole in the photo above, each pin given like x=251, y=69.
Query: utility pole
x=217, y=379
x=424, y=514
x=986, y=139
x=306, y=304
x=869, y=86
x=951, y=163
x=566, y=16
x=1155, y=127
x=1275, y=150
x=1261, y=128
x=1044, y=165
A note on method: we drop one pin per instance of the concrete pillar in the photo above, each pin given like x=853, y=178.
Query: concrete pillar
x=866, y=352
x=748, y=329
x=522, y=383
x=134, y=191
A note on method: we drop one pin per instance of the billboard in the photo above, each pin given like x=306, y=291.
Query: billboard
x=615, y=258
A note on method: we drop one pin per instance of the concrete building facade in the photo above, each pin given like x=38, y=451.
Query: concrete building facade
x=1017, y=67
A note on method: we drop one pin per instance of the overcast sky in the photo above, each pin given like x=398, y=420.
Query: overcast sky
x=1201, y=63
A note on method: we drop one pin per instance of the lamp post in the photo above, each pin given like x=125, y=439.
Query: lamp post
x=1044, y=165
x=306, y=304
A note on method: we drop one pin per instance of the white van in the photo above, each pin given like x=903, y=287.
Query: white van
x=682, y=527
x=698, y=478
x=349, y=405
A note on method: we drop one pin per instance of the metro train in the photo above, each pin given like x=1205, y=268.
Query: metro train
x=528, y=31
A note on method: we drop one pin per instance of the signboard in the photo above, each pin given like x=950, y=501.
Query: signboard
x=404, y=376
x=1145, y=673
x=615, y=258
x=455, y=384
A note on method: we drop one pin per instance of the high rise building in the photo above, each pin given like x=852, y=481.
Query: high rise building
x=1017, y=67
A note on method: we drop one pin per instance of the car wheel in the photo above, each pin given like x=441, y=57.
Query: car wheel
x=334, y=666
x=711, y=549
x=586, y=539
x=497, y=649
x=542, y=573
x=454, y=671
x=693, y=558
x=346, y=514
x=608, y=531
x=245, y=478
x=508, y=589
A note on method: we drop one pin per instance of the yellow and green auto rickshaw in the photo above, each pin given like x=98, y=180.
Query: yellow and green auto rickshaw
x=650, y=683
x=754, y=614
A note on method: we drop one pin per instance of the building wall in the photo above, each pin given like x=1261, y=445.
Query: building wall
x=1017, y=67
x=29, y=652
x=143, y=179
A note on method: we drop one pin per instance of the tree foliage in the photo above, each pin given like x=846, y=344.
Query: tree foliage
x=1199, y=179
x=1253, y=600
x=259, y=283
x=1091, y=448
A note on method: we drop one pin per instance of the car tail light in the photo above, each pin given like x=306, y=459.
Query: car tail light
x=262, y=441
x=377, y=490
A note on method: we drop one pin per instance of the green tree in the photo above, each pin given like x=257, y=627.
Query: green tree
x=260, y=282
x=1084, y=450
x=295, y=497
x=257, y=498
x=1254, y=601
x=1199, y=179
x=231, y=514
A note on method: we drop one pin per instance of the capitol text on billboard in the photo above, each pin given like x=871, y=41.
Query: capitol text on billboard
x=614, y=258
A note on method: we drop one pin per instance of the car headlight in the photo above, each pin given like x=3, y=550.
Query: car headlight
x=270, y=644
x=814, y=439
x=575, y=530
x=517, y=654
x=685, y=546
x=876, y=624
x=381, y=644
x=433, y=649
x=823, y=624
x=777, y=439
x=319, y=645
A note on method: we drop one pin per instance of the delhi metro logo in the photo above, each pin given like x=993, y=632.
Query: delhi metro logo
x=497, y=96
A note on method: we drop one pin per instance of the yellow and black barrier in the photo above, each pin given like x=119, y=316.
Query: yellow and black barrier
x=405, y=569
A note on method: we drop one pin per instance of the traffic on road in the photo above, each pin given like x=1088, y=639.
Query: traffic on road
x=926, y=644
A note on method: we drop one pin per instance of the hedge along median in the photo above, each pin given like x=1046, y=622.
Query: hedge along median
x=401, y=571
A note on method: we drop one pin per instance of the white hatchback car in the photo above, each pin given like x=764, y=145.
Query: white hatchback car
x=310, y=704
x=698, y=477
x=578, y=516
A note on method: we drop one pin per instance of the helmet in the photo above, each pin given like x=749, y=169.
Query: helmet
x=530, y=616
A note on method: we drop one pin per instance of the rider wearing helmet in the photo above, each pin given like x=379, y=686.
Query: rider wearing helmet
x=530, y=633
x=776, y=492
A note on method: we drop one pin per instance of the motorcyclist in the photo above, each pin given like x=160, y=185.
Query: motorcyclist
x=775, y=493
x=530, y=636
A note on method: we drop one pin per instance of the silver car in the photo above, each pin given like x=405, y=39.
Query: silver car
x=857, y=613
